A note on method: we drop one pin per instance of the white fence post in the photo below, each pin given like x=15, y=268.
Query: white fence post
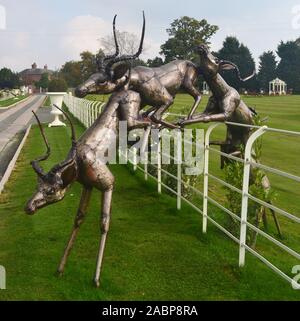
x=206, y=168
x=246, y=177
x=134, y=159
x=159, y=165
x=179, y=168
x=179, y=187
x=146, y=169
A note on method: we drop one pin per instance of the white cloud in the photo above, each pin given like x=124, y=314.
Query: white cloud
x=83, y=33
x=21, y=40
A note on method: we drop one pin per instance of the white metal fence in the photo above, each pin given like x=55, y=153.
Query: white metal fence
x=87, y=111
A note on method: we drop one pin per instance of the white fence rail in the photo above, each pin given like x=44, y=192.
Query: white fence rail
x=87, y=111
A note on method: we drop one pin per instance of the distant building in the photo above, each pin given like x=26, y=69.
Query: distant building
x=30, y=76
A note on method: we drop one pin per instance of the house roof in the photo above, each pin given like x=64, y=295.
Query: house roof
x=36, y=71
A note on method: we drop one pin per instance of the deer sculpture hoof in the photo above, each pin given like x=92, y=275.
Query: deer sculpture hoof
x=97, y=283
x=59, y=272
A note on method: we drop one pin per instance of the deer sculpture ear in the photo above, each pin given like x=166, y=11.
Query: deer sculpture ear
x=225, y=66
x=119, y=71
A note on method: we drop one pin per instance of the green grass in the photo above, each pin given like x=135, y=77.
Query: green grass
x=279, y=151
x=154, y=252
x=103, y=98
x=11, y=101
x=47, y=102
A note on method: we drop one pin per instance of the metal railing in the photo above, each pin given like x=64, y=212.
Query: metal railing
x=87, y=111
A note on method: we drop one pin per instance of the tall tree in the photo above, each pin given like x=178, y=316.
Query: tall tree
x=184, y=34
x=289, y=65
x=156, y=62
x=75, y=72
x=43, y=82
x=87, y=64
x=58, y=84
x=239, y=54
x=128, y=43
x=71, y=72
x=267, y=69
x=9, y=79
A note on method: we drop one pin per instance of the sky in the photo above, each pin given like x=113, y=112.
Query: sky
x=53, y=32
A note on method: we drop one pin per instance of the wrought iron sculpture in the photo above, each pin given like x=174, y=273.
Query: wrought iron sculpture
x=225, y=104
x=131, y=90
x=157, y=86
x=85, y=163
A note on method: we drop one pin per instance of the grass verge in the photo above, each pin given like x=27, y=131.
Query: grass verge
x=154, y=252
x=11, y=101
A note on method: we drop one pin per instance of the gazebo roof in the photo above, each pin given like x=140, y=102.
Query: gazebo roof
x=278, y=81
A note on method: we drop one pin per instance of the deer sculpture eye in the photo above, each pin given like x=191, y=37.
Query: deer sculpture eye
x=51, y=190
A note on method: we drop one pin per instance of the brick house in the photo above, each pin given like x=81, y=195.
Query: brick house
x=30, y=76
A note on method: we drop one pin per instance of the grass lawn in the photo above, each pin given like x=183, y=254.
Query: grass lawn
x=103, y=98
x=154, y=252
x=11, y=101
x=47, y=102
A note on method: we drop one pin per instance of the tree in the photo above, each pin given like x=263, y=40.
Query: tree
x=43, y=82
x=128, y=43
x=289, y=66
x=9, y=79
x=57, y=84
x=239, y=54
x=184, y=35
x=137, y=62
x=71, y=72
x=156, y=62
x=88, y=64
x=75, y=72
x=267, y=69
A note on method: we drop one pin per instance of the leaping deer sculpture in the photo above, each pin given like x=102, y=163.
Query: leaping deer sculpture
x=86, y=163
x=157, y=86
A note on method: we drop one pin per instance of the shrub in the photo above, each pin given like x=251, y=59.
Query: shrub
x=57, y=85
x=234, y=172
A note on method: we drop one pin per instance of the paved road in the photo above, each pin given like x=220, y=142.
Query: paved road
x=13, y=123
x=17, y=118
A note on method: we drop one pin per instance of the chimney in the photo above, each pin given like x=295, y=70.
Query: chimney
x=34, y=65
x=46, y=67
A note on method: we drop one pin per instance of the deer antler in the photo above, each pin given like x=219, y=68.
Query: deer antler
x=129, y=57
x=73, y=137
x=35, y=163
x=100, y=61
x=116, y=42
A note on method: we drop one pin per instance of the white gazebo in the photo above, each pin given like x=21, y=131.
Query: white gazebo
x=277, y=87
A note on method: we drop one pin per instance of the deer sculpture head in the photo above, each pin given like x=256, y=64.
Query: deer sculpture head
x=210, y=65
x=112, y=70
x=53, y=185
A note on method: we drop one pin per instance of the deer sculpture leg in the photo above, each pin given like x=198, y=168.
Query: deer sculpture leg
x=189, y=87
x=105, y=220
x=84, y=201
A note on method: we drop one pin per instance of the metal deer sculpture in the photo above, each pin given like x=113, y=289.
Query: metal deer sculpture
x=157, y=86
x=85, y=163
x=225, y=104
